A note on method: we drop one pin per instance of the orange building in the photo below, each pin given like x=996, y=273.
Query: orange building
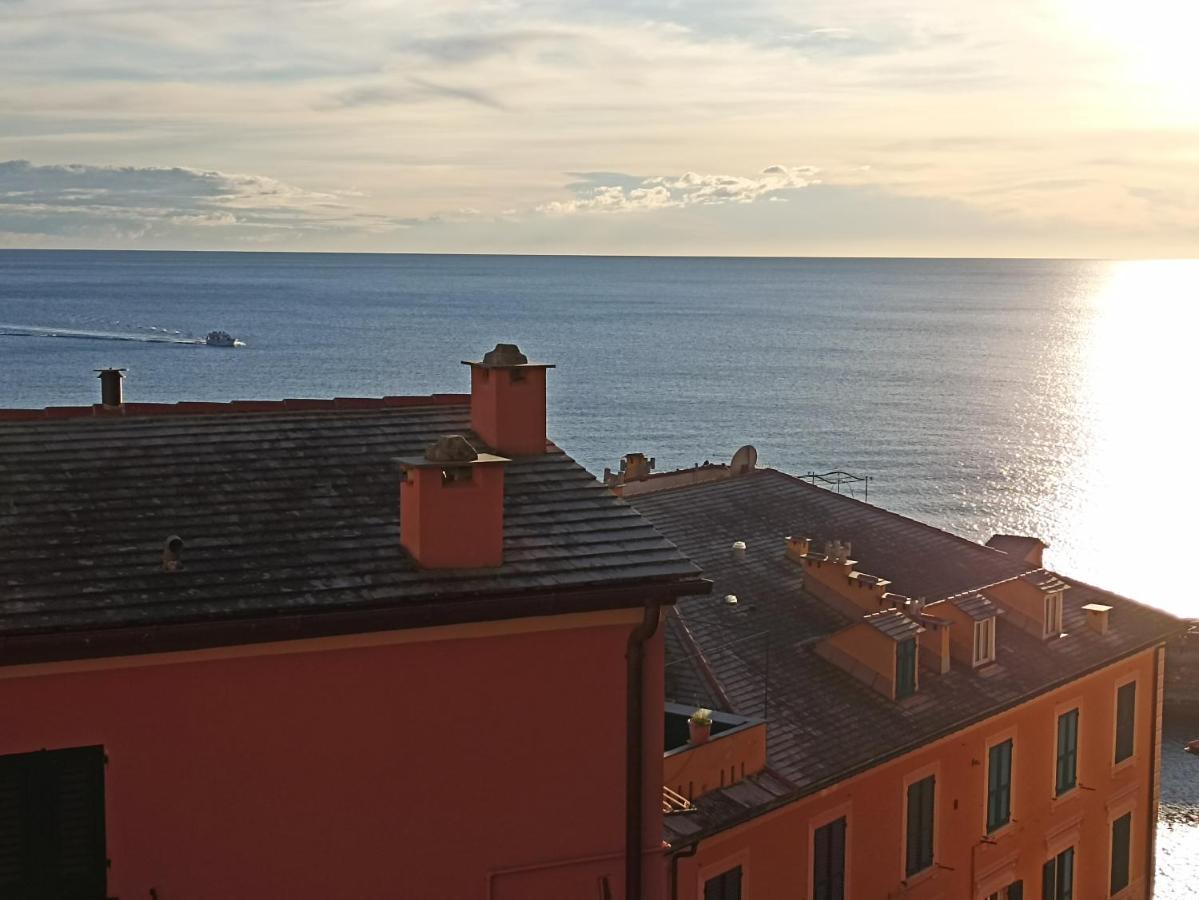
x=368, y=648
x=901, y=713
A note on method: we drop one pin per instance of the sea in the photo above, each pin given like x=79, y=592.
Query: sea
x=1055, y=398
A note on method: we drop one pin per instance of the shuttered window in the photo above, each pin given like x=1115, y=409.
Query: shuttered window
x=828, y=861
x=1121, y=835
x=921, y=800
x=1067, y=751
x=1126, y=711
x=1057, y=877
x=999, y=786
x=52, y=825
x=905, y=668
x=725, y=886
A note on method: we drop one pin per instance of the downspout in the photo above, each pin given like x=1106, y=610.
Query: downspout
x=634, y=790
x=685, y=853
x=1154, y=766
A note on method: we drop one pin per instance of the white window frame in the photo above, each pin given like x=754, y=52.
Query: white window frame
x=984, y=641
x=1053, y=614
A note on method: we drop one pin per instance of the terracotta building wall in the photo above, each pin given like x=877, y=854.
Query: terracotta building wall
x=467, y=768
x=774, y=851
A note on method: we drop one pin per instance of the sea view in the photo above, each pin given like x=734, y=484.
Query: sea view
x=1040, y=397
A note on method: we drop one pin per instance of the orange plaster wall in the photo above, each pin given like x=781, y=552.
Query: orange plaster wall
x=868, y=647
x=775, y=849
x=456, y=768
x=508, y=413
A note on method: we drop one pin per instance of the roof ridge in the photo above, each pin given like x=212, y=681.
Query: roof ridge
x=207, y=407
x=895, y=515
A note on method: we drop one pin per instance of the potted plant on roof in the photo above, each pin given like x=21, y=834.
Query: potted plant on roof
x=700, y=725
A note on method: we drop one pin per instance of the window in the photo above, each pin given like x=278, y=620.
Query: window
x=984, y=641
x=1126, y=710
x=1067, y=751
x=921, y=795
x=52, y=825
x=1057, y=877
x=1053, y=614
x=905, y=668
x=828, y=861
x=725, y=886
x=1014, y=891
x=1121, y=833
x=999, y=786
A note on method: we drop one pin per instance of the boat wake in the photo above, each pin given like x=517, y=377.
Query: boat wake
x=159, y=335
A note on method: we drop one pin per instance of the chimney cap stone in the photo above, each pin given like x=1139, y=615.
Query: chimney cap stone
x=449, y=450
x=506, y=356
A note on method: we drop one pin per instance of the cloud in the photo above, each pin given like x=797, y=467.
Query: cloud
x=410, y=90
x=123, y=202
x=597, y=193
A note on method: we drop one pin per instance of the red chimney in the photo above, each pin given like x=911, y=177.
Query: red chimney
x=452, y=506
x=507, y=401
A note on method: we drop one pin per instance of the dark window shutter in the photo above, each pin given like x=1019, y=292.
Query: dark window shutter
x=52, y=825
x=921, y=797
x=999, y=785
x=1049, y=881
x=905, y=669
x=1015, y=890
x=828, y=861
x=725, y=886
x=1067, y=751
x=1126, y=705
x=1121, y=834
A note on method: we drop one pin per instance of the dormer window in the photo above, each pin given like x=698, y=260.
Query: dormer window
x=905, y=668
x=984, y=641
x=1053, y=614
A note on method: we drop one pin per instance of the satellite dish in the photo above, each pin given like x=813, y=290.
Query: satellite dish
x=744, y=460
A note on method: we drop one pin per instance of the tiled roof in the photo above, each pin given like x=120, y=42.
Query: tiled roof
x=1044, y=581
x=825, y=725
x=976, y=605
x=893, y=624
x=288, y=511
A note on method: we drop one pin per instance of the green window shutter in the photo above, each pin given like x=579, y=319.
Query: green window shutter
x=999, y=786
x=905, y=668
x=828, y=861
x=725, y=886
x=921, y=803
x=1126, y=705
x=1121, y=835
x=1067, y=751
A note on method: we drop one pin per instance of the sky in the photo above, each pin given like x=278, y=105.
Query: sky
x=706, y=127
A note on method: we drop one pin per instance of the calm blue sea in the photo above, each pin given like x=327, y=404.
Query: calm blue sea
x=1052, y=398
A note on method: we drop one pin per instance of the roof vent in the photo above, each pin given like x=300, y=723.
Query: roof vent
x=739, y=549
x=110, y=387
x=731, y=599
x=172, y=554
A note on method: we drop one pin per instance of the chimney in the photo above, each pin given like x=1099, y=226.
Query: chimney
x=1097, y=617
x=507, y=401
x=452, y=506
x=110, y=387
x=798, y=548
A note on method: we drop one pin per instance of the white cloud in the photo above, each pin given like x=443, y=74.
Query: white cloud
x=688, y=189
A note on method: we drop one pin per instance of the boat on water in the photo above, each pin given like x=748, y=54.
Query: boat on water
x=1191, y=746
x=222, y=339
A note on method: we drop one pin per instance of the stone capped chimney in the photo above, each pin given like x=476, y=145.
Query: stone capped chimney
x=452, y=506
x=111, y=395
x=507, y=401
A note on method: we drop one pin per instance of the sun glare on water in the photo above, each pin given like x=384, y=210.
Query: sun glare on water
x=1127, y=509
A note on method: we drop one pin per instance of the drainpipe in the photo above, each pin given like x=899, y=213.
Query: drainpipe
x=685, y=853
x=1154, y=765
x=634, y=789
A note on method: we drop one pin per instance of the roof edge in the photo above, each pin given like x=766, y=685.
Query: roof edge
x=64, y=646
x=207, y=408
